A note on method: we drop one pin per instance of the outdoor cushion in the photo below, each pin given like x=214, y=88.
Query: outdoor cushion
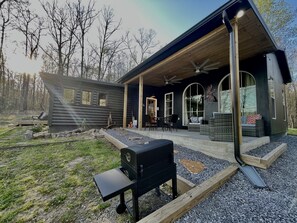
x=243, y=120
x=194, y=119
x=247, y=125
x=251, y=119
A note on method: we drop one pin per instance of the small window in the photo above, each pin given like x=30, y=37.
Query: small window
x=86, y=97
x=284, y=106
x=272, y=96
x=168, y=104
x=102, y=99
x=69, y=95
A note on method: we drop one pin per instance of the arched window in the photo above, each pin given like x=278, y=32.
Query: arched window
x=248, y=100
x=193, y=102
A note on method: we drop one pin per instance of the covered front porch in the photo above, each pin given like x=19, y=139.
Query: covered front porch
x=202, y=143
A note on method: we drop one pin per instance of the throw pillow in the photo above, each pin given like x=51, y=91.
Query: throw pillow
x=251, y=119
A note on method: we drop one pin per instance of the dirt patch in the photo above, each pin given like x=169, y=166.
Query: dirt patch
x=74, y=162
x=192, y=166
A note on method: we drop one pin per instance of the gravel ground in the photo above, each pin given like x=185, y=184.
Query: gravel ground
x=263, y=150
x=237, y=200
x=212, y=165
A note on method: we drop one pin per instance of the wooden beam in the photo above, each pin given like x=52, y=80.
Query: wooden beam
x=140, y=102
x=274, y=154
x=125, y=106
x=183, y=185
x=183, y=203
x=266, y=161
x=113, y=140
x=253, y=161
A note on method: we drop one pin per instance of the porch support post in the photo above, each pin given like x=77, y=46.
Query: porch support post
x=125, y=106
x=234, y=69
x=140, y=102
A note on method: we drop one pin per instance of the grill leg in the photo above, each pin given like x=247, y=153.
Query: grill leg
x=122, y=206
x=135, y=205
x=174, y=187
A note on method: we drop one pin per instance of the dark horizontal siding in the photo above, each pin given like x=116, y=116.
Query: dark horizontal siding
x=93, y=115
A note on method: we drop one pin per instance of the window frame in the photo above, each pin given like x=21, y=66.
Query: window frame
x=165, y=104
x=74, y=95
x=241, y=89
x=184, y=122
x=106, y=99
x=82, y=99
x=271, y=86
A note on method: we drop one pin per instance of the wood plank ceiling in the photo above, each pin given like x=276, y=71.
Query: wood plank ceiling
x=253, y=40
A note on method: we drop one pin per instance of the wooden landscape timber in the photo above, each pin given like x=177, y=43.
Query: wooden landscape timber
x=266, y=161
x=176, y=208
x=31, y=122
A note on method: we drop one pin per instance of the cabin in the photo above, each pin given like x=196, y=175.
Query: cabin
x=189, y=77
x=78, y=102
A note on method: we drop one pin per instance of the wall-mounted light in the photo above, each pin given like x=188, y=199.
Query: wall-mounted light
x=239, y=14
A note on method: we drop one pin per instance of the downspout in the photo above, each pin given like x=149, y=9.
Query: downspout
x=234, y=73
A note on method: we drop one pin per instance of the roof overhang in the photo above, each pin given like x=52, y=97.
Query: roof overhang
x=208, y=39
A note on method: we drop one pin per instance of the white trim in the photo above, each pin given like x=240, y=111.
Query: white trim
x=183, y=101
x=172, y=103
x=219, y=85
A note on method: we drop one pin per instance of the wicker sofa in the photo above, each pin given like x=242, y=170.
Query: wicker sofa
x=220, y=126
x=252, y=125
x=194, y=124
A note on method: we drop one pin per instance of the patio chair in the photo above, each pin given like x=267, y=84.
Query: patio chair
x=220, y=127
x=170, y=122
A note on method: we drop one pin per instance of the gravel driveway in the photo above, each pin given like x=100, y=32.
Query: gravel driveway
x=237, y=200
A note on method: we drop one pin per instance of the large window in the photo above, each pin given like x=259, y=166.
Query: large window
x=248, y=100
x=193, y=102
x=86, y=97
x=102, y=99
x=69, y=95
x=168, y=110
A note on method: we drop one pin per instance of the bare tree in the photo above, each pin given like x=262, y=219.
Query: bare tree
x=108, y=47
x=85, y=18
x=59, y=19
x=141, y=46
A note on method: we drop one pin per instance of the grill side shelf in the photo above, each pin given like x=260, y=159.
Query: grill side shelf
x=112, y=183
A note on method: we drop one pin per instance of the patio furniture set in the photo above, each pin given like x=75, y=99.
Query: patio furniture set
x=166, y=123
x=219, y=126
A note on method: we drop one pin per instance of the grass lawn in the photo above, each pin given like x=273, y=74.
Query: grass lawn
x=52, y=182
x=292, y=132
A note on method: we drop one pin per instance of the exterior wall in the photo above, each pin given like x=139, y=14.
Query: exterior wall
x=279, y=124
x=256, y=66
x=63, y=116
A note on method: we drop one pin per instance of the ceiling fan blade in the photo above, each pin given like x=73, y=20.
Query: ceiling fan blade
x=171, y=78
x=210, y=68
x=204, y=63
x=194, y=65
x=213, y=64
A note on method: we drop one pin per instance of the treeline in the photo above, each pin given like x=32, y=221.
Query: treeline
x=73, y=38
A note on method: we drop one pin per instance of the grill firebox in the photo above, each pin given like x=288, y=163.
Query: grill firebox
x=144, y=167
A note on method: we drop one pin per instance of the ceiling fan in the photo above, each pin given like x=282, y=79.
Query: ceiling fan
x=171, y=80
x=204, y=67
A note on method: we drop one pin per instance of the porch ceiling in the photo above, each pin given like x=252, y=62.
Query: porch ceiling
x=253, y=40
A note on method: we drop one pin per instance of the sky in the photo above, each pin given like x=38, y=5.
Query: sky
x=169, y=18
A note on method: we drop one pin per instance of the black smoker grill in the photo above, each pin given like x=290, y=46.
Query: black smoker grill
x=144, y=167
